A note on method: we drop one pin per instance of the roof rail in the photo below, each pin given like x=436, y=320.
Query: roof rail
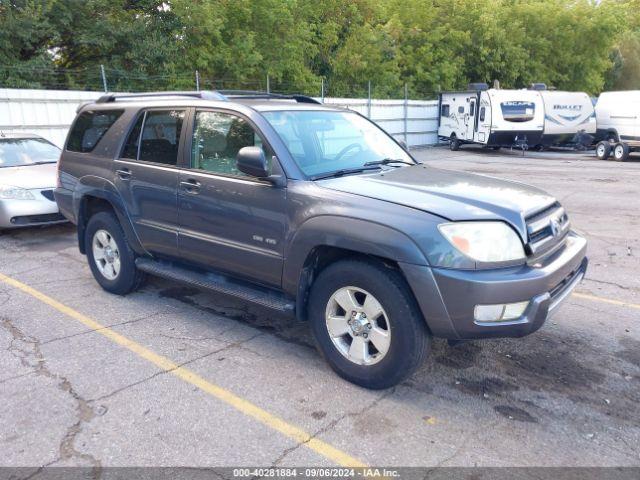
x=249, y=94
x=203, y=94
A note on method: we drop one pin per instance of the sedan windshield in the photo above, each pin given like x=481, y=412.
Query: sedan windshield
x=20, y=152
x=322, y=142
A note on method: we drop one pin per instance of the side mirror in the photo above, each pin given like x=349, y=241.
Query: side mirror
x=252, y=161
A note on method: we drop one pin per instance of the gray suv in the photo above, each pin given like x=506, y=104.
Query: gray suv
x=315, y=211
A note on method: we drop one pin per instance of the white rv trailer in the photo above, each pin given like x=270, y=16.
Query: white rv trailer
x=618, y=119
x=567, y=117
x=491, y=117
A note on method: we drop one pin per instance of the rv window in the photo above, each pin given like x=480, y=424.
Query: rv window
x=461, y=109
x=518, y=111
x=482, y=112
x=445, y=111
x=472, y=109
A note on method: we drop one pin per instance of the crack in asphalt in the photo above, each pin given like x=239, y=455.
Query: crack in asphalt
x=27, y=349
x=180, y=365
x=332, y=425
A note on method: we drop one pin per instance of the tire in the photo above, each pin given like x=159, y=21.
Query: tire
x=105, y=226
x=496, y=148
x=603, y=150
x=621, y=152
x=454, y=143
x=405, y=333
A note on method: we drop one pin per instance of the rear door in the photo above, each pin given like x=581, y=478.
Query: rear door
x=229, y=221
x=483, y=121
x=470, y=118
x=146, y=175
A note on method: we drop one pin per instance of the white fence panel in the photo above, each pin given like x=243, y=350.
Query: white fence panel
x=49, y=113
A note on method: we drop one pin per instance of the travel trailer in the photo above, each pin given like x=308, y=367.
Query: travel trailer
x=618, y=121
x=491, y=117
x=569, y=117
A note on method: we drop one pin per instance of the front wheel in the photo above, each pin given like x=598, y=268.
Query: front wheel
x=111, y=259
x=366, y=323
x=454, y=143
x=603, y=150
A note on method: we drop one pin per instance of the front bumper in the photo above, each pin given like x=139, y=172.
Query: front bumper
x=448, y=297
x=42, y=210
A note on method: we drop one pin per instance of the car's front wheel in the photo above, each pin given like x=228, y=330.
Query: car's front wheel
x=367, y=324
x=111, y=259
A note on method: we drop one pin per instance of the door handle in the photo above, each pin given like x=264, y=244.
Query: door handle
x=191, y=186
x=124, y=173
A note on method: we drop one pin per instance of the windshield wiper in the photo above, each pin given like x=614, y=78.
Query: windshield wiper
x=387, y=161
x=345, y=171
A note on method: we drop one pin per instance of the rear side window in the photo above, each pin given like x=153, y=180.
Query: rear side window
x=161, y=136
x=89, y=128
x=444, y=111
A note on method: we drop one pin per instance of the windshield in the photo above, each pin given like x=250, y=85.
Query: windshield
x=324, y=141
x=19, y=152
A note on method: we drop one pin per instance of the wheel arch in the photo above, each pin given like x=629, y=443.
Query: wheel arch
x=92, y=198
x=324, y=240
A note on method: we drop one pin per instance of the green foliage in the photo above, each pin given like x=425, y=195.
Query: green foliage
x=430, y=45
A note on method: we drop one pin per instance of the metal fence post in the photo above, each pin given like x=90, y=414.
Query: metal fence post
x=197, y=81
x=268, y=86
x=322, y=90
x=104, y=78
x=369, y=99
x=406, y=113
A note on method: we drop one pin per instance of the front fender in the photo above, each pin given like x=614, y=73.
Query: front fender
x=348, y=233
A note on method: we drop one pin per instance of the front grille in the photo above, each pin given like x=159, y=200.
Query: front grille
x=546, y=230
x=48, y=194
x=35, y=219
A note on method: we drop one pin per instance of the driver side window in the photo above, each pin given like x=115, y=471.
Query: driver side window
x=217, y=139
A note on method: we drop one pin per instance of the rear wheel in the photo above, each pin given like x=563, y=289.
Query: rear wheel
x=111, y=259
x=621, y=152
x=603, y=150
x=454, y=143
x=367, y=324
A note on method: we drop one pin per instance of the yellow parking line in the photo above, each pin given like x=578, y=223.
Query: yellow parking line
x=606, y=300
x=244, y=406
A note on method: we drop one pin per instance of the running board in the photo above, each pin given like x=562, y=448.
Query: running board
x=218, y=283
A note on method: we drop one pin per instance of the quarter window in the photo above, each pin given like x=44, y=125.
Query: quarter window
x=131, y=147
x=217, y=139
x=161, y=136
x=89, y=128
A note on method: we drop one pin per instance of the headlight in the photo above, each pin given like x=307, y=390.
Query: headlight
x=8, y=192
x=484, y=241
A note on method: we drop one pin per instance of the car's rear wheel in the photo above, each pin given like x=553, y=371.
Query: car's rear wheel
x=621, y=152
x=366, y=323
x=603, y=150
x=111, y=259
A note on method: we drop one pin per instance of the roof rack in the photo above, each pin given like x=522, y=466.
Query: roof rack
x=203, y=94
x=253, y=94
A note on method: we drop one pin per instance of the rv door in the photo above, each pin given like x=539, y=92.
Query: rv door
x=470, y=119
x=484, y=119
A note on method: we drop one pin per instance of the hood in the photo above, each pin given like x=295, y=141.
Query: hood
x=449, y=194
x=30, y=176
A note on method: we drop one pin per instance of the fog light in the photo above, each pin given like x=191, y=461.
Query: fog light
x=500, y=312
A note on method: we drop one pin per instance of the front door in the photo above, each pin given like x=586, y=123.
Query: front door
x=483, y=121
x=229, y=221
x=146, y=176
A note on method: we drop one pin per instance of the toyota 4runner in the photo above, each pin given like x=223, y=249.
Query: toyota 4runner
x=316, y=211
